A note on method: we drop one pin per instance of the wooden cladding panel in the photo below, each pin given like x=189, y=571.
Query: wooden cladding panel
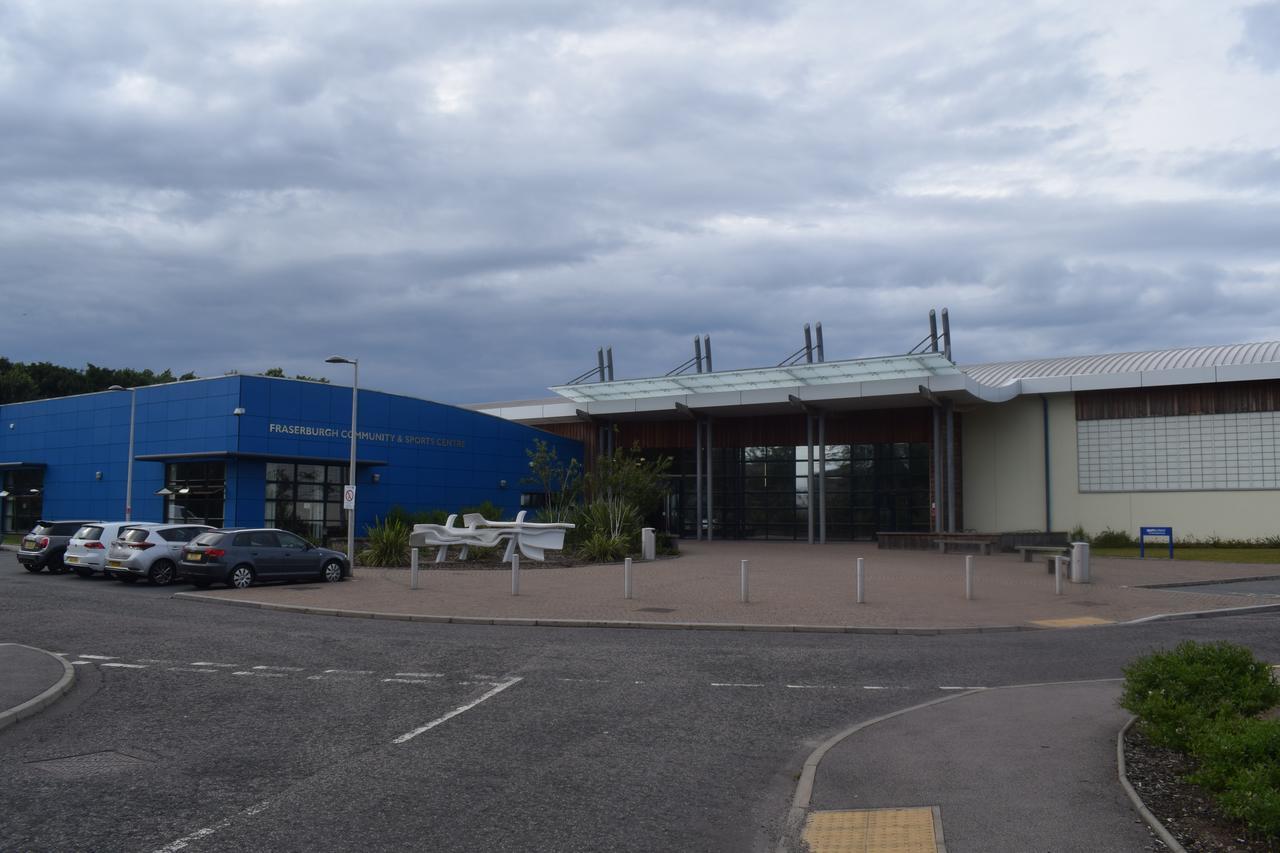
x=1174, y=400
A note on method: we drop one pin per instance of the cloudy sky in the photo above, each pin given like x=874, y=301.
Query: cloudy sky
x=472, y=195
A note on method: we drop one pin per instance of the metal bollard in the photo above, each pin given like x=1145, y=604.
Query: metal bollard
x=413, y=568
x=626, y=578
x=1057, y=575
x=968, y=578
x=745, y=595
x=515, y=573
x=861, y=598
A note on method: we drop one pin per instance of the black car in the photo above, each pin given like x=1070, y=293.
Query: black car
x=240, y=556
x=46, y=544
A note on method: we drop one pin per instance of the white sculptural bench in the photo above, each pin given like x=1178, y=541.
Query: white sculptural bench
x=533, y=539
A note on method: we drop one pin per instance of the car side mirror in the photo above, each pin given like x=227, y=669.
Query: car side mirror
x=307, y=546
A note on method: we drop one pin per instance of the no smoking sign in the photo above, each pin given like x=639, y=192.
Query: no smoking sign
x=348, y=497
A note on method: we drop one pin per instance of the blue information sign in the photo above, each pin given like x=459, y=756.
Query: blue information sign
x=1144, y=532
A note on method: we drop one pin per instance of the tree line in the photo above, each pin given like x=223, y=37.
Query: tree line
x=40, y=380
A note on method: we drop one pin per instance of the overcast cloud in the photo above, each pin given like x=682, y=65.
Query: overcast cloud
x=472, y=196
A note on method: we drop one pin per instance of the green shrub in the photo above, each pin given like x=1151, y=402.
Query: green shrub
x=419, y=516
x=388, y=543
x=1175, y=694
x=1230, y=744
x=600, y=547
x=1113, y=539
x=1253, y=795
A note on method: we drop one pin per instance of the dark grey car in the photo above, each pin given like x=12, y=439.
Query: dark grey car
x=240, y=556
x=46, y=544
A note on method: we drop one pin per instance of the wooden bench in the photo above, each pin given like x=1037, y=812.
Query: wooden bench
x=983, y=545
x=1051, y=550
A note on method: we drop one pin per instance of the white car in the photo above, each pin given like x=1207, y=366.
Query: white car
x=150, y=551
x=87, y=550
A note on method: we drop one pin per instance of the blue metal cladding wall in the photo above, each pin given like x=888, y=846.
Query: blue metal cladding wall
x=77, y=437
x=438, y=456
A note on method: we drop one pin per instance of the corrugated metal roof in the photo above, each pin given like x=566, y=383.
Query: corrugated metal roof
x=1007, y=372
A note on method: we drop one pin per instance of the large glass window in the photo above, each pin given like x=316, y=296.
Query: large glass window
x=198, y=492
x=763, y=492
x=306, y=499
x=25, y=502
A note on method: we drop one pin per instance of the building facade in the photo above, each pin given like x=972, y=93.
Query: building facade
x=818, y=451
x=253, y=450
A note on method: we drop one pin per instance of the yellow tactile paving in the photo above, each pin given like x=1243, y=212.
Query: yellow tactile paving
x=1075, y=622
x=871, y=831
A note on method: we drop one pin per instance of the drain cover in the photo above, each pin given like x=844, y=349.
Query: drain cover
x=89, y=764
x=655, y=610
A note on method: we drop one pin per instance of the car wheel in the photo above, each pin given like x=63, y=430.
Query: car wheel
x=162, y=573
x=85, y=573
x=35, y=570
x=240, y=577
x=331, y=571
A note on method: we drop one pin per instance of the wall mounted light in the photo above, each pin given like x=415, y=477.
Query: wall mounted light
x=377, y=478
x=502, y=484
x=164, y=493
x=184, y=490
x=97, y=475
x=4, y=494
x=238, y=411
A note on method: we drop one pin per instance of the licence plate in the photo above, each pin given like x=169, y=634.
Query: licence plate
x=115, y=564
x=73, y=559
x=195, y=556
x=29, y=544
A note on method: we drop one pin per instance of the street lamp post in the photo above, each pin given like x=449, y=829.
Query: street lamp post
x=3, y=495
x=351, y=474
x=128, y=480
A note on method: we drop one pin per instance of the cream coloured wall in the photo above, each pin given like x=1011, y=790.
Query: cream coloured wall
x=1004, y=483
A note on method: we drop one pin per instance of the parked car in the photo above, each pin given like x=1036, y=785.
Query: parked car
x=150, y=551
x=87, y=548
x=240, y=556
x=46, y=544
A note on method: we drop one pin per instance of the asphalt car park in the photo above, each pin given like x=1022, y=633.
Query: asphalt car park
x=230, y=728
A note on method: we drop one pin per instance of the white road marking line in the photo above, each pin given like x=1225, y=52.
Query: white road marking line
x=585, y=680
x=261, y=674
x=127, y=665
x=340, y=675
x=81, y=662
x=733, y=684
x=873, y=687
x=152, y=660
x=350, y=671
x=211, y=663
x=409, y=681
x=97, y=657
x=62, y=654
x=962, y=688
x=479, y=675
x=191, y=669
x=420, y=674
x=814, y=686
x=407, y=736
x=280, y=668
x=185, y=840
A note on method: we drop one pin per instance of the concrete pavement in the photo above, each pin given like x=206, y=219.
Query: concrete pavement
x=30, y=679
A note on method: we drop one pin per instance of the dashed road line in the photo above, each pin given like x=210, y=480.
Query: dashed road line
x=733, y=684
x=408, y=681
x=279, y=668
x=97, y=657
x=420, y=674
x=81, y=662
x=813, y=686
x=192, y=669
x=408, y=736
x=948, y=687
x=211, y=663
x=261, y=674
x=185, y=840
x=126, y=665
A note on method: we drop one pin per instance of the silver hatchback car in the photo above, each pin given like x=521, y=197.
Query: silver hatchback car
x=150, y=551
x=87, y=548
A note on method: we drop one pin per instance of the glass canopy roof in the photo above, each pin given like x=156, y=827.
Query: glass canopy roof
x=920, y=366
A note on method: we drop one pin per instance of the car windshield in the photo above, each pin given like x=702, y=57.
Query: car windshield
x=134, y=534
x=210, y=538
x=42, y=528
x=90, y=532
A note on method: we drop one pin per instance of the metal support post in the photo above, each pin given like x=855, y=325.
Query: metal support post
x=711, y=523
x=938, y=507
x=968, y=578
x=626, y=578
x=698, y=475
x=413, y=568
x=1057, y=575
x=808, y=430
x=951, y=464
x=859, y=587
x=822, y=479
x=745, y=594
x=515, y=573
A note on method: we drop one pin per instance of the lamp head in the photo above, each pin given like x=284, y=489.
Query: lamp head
x=337, y=359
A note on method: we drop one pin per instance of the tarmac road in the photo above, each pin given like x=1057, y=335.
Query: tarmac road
x=203, y=727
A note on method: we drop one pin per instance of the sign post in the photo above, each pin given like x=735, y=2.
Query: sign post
x=1144, y=532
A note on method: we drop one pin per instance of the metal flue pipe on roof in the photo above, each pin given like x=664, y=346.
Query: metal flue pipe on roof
x=933, y=329
x=808, y=345
x=608, y=356
x=946, y=336
x=821, y=354
x=697, y=352
x=706, y=341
